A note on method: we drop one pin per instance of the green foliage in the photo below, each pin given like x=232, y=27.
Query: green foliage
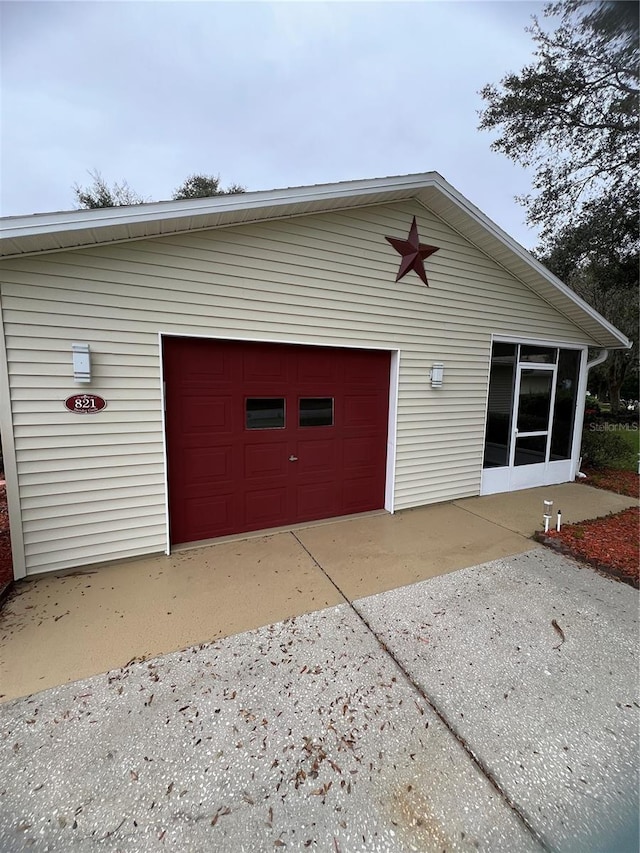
x=204, y=186
x=602, y=241
x=607, y=449
x=605, y=275
x=99, y=194
x=632, y=438
x=592, y=403
x=630, y=389
x=572, y=113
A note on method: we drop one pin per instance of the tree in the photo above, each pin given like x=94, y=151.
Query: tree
x=572, y=116
x=572, y=113
x=602, y=240
x=204, y=186
x=99, y=194
x=604, y=278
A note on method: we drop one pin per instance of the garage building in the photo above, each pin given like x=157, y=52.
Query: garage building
x=179, y=371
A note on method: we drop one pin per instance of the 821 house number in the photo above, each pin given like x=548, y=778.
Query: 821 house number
x=85, y=404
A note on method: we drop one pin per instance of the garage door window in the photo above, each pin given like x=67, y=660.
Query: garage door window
x=315, y=411
x=264, y=413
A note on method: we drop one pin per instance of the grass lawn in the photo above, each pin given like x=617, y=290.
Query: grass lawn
x=603, y=444
x=632, y=437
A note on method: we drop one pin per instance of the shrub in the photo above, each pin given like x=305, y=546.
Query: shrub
x=603, y=449
x=622, y=417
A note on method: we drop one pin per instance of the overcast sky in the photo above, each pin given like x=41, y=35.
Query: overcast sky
x=265, y=94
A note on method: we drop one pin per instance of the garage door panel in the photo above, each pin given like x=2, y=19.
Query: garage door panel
x=265, y=507
x=200, y=414
x=265, y=460
x=315, y=456
x=366, y=368
x=362, y=410
x=316, y=500
x=208, y=516
x=314, y=368
x=197, y=362
x=208, y=374
x=362, y=493
x=212, y=465
x=264, y=365
x=361, y=452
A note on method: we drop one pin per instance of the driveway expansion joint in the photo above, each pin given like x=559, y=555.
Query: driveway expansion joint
x=480, y=765
x=496, y=523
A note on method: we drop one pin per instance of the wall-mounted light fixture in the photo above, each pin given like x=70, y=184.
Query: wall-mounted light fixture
x=81, y=363
x=437, y=375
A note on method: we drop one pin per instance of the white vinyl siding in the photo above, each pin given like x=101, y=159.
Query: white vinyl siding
x=92, y=487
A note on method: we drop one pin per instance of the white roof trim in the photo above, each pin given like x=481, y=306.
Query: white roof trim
x=43, y=223
x=490, y=226
x=47, y=232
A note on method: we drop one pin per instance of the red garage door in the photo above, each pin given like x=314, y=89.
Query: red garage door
x=263, y=435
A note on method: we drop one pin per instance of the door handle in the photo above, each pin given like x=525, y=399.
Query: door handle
x=293, y=458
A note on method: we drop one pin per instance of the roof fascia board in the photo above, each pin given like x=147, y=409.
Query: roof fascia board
x=476, y=214
x=46, y=223
x=512, y=274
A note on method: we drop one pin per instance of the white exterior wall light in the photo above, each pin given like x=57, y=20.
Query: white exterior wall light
x=437, y=375
x=81, y=363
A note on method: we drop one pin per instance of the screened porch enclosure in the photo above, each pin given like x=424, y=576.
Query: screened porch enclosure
x=531, y=414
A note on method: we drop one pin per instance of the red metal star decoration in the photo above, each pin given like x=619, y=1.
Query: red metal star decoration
x=413, y=253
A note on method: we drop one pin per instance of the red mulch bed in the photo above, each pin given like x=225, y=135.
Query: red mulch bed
x=6, y=564
x=620, y=482
x=610, y=544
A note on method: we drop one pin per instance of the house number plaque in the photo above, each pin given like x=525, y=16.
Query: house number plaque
x=85, y=404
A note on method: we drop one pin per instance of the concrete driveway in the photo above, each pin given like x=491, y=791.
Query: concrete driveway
x=492, y=708
x=60, y=629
